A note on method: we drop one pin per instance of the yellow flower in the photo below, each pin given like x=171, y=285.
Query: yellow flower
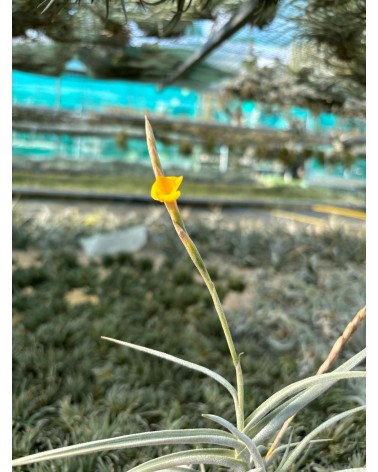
x=165, y=189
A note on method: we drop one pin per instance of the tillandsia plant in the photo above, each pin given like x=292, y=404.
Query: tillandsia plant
x=238, y=446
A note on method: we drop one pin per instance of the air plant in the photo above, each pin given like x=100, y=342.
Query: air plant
x=237, y=446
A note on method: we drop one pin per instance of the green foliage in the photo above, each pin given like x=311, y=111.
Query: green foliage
x=237, y=284
x=71, y=387
x=338, y=29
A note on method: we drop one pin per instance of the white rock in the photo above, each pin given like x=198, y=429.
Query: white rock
x=129, y=240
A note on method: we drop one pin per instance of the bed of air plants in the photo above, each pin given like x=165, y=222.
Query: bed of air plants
x=288, y=290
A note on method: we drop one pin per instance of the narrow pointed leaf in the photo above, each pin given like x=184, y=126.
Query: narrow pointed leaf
x=355, y=469
x=346, y=366
x=256, y=427
x=298, y=404
x=190, y=365
x=183, y=468
x=298, y=451
x=352, y=362
x=251, y=446
x=220, y=457
x=324, y=380
x=287, y=450
x=152, y=438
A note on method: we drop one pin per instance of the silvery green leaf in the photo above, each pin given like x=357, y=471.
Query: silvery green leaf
x=220, y=457
x=190, y=365
x=346, y=366
x=352, y=362
x=151, y=438
x=183, y=468
x=325, y=381
x=298, y=404
x=256, y=427
x=298, y=451
x=251, y=446
x=355, y=469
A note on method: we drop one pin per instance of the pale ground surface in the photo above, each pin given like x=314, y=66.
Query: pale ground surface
x=113, y=214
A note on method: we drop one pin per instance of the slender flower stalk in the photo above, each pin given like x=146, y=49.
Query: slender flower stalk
x=178, y=223
x=332, y=356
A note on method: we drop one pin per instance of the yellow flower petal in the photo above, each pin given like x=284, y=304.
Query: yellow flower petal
x=165, y=189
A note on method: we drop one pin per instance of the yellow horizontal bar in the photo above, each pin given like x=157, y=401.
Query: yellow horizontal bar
x=311, y=220
x=360, y=215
